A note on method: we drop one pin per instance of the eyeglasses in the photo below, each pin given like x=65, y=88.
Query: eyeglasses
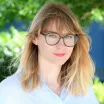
x=53, y=38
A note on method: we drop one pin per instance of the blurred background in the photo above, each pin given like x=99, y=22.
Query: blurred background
x=17, y=15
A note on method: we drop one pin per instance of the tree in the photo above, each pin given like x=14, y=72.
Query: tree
x=86, y=10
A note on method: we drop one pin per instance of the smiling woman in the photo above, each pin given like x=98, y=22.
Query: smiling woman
x=55, y=64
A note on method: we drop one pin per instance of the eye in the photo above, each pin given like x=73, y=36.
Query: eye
x=69, y=36
x=52, y=36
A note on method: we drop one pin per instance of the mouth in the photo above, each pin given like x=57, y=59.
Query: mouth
x=59, y=54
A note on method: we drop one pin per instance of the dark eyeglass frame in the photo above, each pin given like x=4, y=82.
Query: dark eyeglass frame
x=45, y=35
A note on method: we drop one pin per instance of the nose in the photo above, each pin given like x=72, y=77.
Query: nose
x=60, y=44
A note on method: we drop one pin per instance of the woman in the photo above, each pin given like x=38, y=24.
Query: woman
x=55, y=64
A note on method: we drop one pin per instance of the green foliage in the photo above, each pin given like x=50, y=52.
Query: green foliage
x=86, y=10
x=99, y=90
x=10, y=47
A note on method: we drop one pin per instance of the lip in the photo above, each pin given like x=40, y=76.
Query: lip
x=59, y=54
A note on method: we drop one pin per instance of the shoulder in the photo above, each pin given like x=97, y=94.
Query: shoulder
x=90, y=93
x=90, y=96
x=11, y=90
x=11, y=82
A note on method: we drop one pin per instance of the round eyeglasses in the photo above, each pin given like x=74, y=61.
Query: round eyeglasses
x=53, y=38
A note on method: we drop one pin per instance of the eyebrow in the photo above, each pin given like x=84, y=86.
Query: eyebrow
x=57, y=33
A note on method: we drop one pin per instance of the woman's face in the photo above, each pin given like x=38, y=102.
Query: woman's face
x=47, y=52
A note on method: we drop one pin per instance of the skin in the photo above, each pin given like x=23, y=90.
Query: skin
x=49, y=64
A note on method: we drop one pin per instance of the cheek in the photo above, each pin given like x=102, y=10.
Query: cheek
x=69, y=51
x=44, y=48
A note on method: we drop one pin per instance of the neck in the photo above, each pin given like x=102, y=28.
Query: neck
x=49, y=72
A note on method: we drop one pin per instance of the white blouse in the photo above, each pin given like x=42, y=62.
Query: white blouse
x=11, y=92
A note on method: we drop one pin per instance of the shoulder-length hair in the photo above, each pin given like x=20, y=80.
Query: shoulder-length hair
x=78, y=71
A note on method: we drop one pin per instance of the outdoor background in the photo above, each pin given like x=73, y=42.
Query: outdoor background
x=16, y=17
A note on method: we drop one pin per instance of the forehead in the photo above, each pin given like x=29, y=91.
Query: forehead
x=56, y=25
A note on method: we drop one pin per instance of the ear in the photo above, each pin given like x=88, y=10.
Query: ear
x=35, y=41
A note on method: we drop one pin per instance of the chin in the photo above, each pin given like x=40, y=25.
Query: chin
x=60, y=63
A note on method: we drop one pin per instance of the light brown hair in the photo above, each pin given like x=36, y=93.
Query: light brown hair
x=77, y=72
